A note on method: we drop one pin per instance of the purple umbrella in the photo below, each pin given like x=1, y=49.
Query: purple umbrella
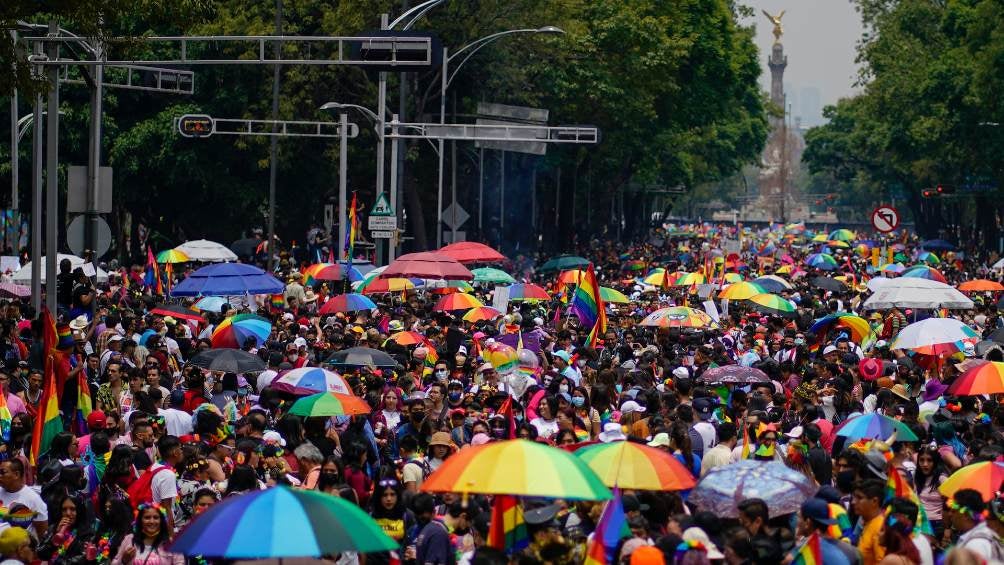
x=734, y=374
x=723, y=488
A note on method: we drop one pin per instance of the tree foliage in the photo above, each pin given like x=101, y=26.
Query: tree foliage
x=672, y=85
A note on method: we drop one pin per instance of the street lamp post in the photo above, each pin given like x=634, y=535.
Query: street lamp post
x=446, y=79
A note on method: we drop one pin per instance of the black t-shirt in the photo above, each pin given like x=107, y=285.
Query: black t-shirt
x=64, y=287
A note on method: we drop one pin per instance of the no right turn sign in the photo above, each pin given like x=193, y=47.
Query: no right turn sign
x=885, y=219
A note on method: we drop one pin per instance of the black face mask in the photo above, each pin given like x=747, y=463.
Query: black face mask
x=418, y=418
x=499, y=433
x=328, y=478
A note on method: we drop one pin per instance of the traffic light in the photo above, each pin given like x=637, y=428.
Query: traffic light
x=929, y=193
x=942, y=189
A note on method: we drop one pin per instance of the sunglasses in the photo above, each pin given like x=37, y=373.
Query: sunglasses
x=388, y=483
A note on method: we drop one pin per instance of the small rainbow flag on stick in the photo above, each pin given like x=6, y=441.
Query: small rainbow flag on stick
x=811, y=552
x=610, y=529
x=507, y=531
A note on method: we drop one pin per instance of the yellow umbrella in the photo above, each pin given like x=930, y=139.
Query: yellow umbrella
x=629, y=465
x=741, y=291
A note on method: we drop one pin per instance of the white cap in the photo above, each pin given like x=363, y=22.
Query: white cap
x=699, y=535
x=829, y=349
x=611, y=432
x=462, y=350
x=795, y=432
x=681, y=373
x=631, y=406
x=538, y=321
x=300, y=342
x=273, y=437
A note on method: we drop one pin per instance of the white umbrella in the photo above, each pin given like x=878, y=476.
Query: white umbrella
x=206, y=251
x=935, y=336
x=23, y=276
x=917, y=293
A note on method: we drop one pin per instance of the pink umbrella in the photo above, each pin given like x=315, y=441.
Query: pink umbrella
x=427, y=265
x=11, y=290
x=471, y=252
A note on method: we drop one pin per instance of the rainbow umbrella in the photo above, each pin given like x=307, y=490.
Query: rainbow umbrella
x=527, y=291
x=985, y=477
x=842, y=235
x=234, y=331
x=838, y=244
x=610, y=295
x=636, y=265
x=406, y=338
x=518, y=467
x=172, y=256
x=741, y=291
x=821, y=261
x=350, y=302
x=929, y=258
x=481, y=314
x=310, y=380
x=895, y=268
x=856, y=325
x=629, y=465
x=457, y=301
x=985, y=378
x=772, y=304
x=690, y=279
x=733, y=278
x=281, y=522
x=660, y=277
x=935, y=336
x=329, y=272
x=773, y=283
x=329, y=404
x=820, y=238
x=924, y=272
x=679, y=317
x=875, y=426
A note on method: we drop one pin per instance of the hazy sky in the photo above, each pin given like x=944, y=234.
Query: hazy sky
x=819, y=39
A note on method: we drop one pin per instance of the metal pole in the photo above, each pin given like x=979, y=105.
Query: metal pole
x=442, y=149
x=381, y=125
x=36, y=199
x=13, y=143
x=343, y=175
x=402, y=145
x=273, y=153
x=453, y=181
x=502, y=200
x=392, y=248
x=94, y=166
x=481, y=189
x=52, y=176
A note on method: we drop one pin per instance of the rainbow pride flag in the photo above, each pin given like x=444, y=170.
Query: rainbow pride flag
x=353, y=228
x=588, y=306
x=897, y=486
x=507, y=531
x=152, y=277
x=811, y=552
x=84, y=404
x=5, y=418
x=610, y=529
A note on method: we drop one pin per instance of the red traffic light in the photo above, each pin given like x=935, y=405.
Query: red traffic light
x=942, y=189
x=929, y=193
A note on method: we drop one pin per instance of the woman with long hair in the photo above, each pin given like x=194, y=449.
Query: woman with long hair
x=388, y=509
x=896, y=534
x=679, y=442
x=331, y=476
x=926, y=480
x=63, y=449
x=241, y=481
x=585, y=411
x=69, y=542
x=119, y=474
x=194, y=477
x=147, y=544
x=113, y=528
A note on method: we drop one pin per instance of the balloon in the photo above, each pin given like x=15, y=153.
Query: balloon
x=528, y=359
x=502, y=357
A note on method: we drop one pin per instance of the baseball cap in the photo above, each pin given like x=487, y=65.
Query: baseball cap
x=631, y=406
x=661, y=439
x=829, y=349
x=704, y=407
x=562, y=354
x=96, y=420
x=817, y=510
x=462, y=350
x=795, y=432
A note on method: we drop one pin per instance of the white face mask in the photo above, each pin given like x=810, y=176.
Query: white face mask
x=580, y=363
x=294, y=356
x=441, y=374
x=563, y=388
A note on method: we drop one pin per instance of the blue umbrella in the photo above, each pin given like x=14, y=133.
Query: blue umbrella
x=723, y=488
x=228, y=279
x=875, y=426
x=938, y=245
x=281, y=522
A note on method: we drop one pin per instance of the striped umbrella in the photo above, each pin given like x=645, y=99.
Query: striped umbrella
x=310, y=380
x=350, y=302
x=733, y=278
x=281, y=522
x=985, y=378
x=234, y=331
x=527, y=291
x=481, y=314
x=741, y=291
x=572, y=276
x=172, y=256
x=406, y=338
x=842, y=235
x=690, y=279
x=773, y=283
x=856, y=326
x=924, y=272
x=615, y=296
x=330, y=272
x=329, y=404
x=457, y=301
x=895, y=268
x=518, y=467
x=935, y=336
x=986, y=477
x=629, y=465
x=929, y=258
x=772, y=304
x=821, y=261
x=875, y=426
x=374, y=285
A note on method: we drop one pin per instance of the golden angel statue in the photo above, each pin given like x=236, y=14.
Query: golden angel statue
x=776, y=20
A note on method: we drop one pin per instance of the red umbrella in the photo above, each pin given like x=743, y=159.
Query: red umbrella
x=427, y=265
x=471, y=252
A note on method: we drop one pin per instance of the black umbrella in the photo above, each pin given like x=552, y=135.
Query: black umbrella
x=247, y=247
x=564, y=263
x=827, y=283
x=362, y=357
x=229, y=361
x=938, y=245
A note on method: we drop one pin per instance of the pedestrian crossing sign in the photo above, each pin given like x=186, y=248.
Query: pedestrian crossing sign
x=382, y=206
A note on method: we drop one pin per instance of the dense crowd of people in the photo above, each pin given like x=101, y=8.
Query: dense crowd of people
x=168, y=439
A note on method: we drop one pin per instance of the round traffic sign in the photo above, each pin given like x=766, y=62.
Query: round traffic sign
x=885, y=219
x=76, y=236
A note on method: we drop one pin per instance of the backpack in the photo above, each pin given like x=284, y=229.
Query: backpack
x=422, y=464
x=141, y=490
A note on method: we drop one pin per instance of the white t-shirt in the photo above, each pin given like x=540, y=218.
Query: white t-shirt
x=23, y=508
x=545, y=429
x=164, y=485
x=177, y=422
x=708, y=435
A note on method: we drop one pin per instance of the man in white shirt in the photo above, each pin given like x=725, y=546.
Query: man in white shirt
x=164, y=484
x=177, y=421
x=22, y=506
x=721, y=453
x=266, y=377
